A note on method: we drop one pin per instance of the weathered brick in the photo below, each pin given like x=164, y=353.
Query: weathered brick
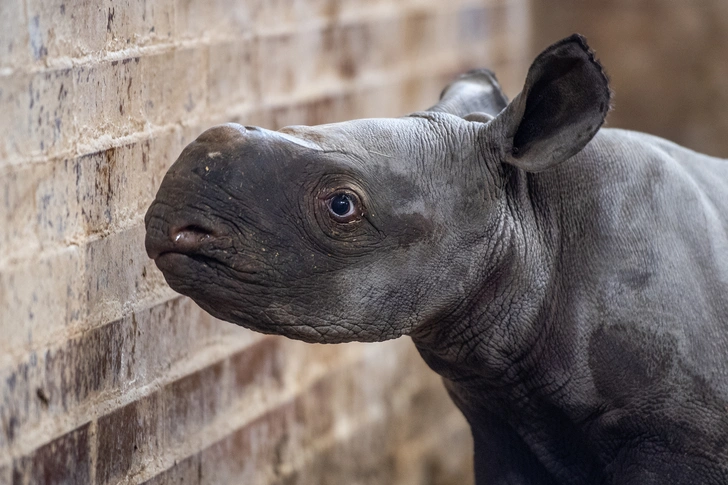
x=232, y=75
x=247, y=455
x=256, y=364
x=48, y=384
x=14, y=37
x=65, y=460
x=38, y=207
x=131, y=23
x=288, y=76
x=291, y=15
x=117, y=185
x=6, y=474
x=37, y=114
x=38, y=296
x=193, y=401
x=304, y=439
x=356, y=48
x=353, y=10
x=333, y=464
x=59, y=28
x=174, y=85
x=329, y=108
x=114, y=273
x=117, y=440
x=318, y=409
x=113, y=358
x=187, y=471
x=111, y=94
x=127, y=438
x=420, y=461
x=172, y=332
x=194, y=19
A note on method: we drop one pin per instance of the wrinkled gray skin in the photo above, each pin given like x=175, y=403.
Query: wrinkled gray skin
x=568, y=283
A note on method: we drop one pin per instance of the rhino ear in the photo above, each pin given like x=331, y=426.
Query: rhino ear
x=562, y=105
x=475, y=91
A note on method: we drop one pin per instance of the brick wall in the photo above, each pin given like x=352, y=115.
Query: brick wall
x=666, y=60
x=106, y=375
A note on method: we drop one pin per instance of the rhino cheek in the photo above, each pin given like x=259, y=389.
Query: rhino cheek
x=374, y=302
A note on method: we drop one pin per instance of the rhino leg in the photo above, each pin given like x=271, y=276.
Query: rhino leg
x=502, y=458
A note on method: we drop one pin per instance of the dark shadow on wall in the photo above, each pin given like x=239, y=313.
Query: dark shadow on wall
x=667, y=61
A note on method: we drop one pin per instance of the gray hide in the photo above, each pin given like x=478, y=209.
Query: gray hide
x=568, y=282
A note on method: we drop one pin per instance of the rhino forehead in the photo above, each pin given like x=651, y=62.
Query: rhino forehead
x=375, y=137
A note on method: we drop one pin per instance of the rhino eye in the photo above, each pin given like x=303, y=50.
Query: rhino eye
x=344, y=207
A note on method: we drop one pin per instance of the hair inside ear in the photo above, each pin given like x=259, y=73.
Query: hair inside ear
x=562, y=106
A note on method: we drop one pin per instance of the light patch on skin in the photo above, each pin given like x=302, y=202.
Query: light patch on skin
x=214, y=154
x=289, y=134
x=416, y=206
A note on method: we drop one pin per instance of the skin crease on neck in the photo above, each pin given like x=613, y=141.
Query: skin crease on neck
x=567, y=281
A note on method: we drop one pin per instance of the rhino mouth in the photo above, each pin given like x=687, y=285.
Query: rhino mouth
x=171, y=260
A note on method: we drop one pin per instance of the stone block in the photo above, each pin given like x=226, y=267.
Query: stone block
x=131, y=23
x=129, y=438
x=114, y=187
x=114, y=272
x=110, y=93
x=174, y=86
x=46, y=385
x=214, y=20
x=39, y=297
x=256, y=365
x=14, y=36
x=193, y=401
x=59, y=28
x=37, y=116
x=64, y=460
x=39, y=209
x=232, y=75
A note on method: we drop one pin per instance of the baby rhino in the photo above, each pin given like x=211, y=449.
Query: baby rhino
x=569, y=283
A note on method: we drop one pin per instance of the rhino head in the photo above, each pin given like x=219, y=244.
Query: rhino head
x=368, y=229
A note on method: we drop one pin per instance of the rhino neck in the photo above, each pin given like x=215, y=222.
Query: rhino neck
x=494, y=339
x=506, y=358
x=502, y=323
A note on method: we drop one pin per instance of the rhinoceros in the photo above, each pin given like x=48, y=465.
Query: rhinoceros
x=568, y=282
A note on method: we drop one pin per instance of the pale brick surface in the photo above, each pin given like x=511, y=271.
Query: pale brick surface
x=132, y=23
x=37, y=116
x=113, y=94
x=106, y=375
x=13, y=34
x=59, y=28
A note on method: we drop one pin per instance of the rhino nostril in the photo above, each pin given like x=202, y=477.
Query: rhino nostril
x=189, y=238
